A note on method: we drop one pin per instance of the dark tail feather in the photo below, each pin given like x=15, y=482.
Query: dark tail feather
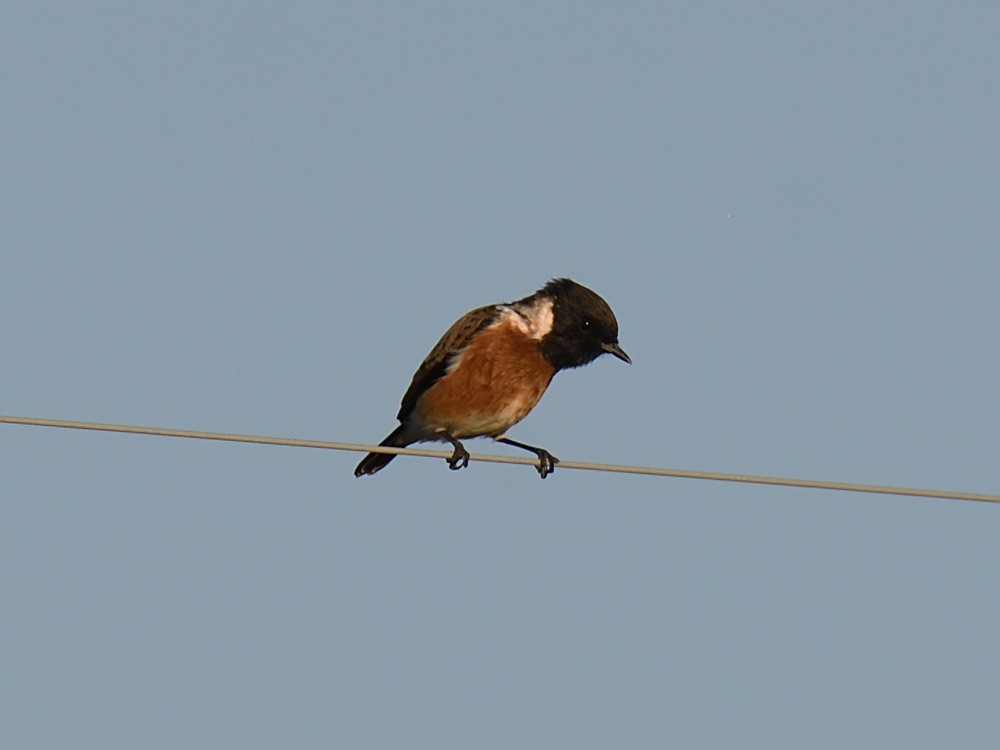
x=376, y=461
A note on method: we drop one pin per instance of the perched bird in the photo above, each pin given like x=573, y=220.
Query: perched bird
x=493, y=365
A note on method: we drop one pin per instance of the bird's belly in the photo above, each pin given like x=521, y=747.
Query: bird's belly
x=473, y=423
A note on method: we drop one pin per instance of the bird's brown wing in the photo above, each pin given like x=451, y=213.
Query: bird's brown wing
x=435, y=365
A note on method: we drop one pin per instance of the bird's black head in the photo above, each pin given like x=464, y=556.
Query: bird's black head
x=583, y=326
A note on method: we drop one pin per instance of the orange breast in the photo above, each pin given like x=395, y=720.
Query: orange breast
x=500, y=377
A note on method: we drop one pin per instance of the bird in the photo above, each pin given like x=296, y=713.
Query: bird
x=492, y=366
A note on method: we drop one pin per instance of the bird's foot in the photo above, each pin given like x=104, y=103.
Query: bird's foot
x=460, y=458
x=546, y=463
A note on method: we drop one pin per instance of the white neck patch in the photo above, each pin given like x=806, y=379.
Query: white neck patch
x=534, y=319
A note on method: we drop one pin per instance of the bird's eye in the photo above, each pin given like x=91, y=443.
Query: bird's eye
x=585, y=324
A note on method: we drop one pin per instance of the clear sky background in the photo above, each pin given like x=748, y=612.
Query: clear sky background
x=258, y=218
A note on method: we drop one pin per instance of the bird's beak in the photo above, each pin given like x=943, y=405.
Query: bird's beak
x=617, y=351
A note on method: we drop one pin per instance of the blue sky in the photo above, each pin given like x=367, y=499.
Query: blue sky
x=259, y=218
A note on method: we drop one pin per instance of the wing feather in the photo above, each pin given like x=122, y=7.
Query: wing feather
x=435, y=365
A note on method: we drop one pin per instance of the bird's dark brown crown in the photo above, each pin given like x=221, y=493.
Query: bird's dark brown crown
x=583, y=326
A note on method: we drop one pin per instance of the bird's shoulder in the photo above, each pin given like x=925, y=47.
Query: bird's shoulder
x=454, y=340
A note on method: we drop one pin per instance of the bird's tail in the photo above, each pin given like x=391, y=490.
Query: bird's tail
x=376, y=461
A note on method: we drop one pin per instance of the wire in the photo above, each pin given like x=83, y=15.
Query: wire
x=585, y=465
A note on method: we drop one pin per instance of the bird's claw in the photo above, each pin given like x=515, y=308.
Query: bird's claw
x=546, y=463
x=459, y=459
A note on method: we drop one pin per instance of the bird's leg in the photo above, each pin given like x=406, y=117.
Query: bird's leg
x=546, y=461
x=460, y=458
